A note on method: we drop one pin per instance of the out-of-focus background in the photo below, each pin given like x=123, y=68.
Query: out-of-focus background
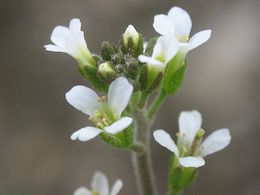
x=222, y=81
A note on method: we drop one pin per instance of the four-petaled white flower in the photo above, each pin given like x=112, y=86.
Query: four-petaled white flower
x=105, y=114
x=164, y=50
x=71, y=41
x=100, y=186
x=177, y=24
x=189, y=149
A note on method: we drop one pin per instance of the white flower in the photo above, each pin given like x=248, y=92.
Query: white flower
x=105, y=114
x=189, y=149
x=100, y=186
x=164, y=50
x=177, y=24
x=71, y=41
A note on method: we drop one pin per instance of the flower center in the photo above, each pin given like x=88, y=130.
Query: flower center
x=190, y=149
x=103, y=116
x=161, y=58
x=184, y=38
x=94, y=192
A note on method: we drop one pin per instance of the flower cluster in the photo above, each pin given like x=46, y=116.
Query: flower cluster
x=128, y=73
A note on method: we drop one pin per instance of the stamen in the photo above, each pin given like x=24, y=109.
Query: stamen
x=179, y=37
x=196, y=141
x=185, y=38
x=104, y=98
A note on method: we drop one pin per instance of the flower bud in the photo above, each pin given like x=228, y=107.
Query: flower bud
x=131, y=42
x=107, y=50
x=107, y=72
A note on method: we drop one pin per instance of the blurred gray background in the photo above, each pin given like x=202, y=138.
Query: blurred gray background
x=222, y=81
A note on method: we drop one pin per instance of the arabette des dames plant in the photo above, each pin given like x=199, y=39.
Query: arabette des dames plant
x=127, y=74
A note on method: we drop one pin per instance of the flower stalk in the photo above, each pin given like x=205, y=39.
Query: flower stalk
x=142, y=162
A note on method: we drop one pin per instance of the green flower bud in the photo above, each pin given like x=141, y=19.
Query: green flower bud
x=131, y=42
x=107, y=72
x=107, y=50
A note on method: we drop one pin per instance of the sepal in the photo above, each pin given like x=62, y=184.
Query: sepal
x=123, y=139
x=179, y=176
x=174, y=74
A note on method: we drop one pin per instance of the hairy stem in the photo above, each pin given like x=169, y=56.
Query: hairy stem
x=142, y=161
x=156, y=104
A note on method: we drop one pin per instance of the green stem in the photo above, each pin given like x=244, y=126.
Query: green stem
x=142, y=161
x=174, y=192
x=156, y=104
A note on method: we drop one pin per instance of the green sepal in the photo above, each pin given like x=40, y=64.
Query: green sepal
x=90, y=74
x=123, y=139
x=180, y=177
x=130, y=47
x=150, y=46
x=174, y=74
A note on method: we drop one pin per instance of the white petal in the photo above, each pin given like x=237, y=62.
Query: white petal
x=164, y=139
x=100, y=184
x=163, y=25
x=119, y=94
x=172, y=50
x=149, y=60
x=116, y=187
x=54, y=48
x=83, y=99
x=75, y=25
x=82, y=191
x=181, y=21
x=192, y=161
x=189, y=124
x=60, y=35
x=119, y=125
x=199, y=38
x=86, y=133
x=216, y=141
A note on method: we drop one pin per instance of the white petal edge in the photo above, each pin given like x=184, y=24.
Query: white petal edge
x=165, y=140
x=82, y=191
x=163, y=25
x=149, y=60
x=172, y=50
x=86, y=133
x=116, y=187
x=119, y=94
x=53, y=48
x=189, y=124
x=216, y=141
x=199, y=38
x=119, y=125
x=83, y=99
x=100, y=183
x=181, y=21
x=75, y=25
x=192, y=161
x=60, y=36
